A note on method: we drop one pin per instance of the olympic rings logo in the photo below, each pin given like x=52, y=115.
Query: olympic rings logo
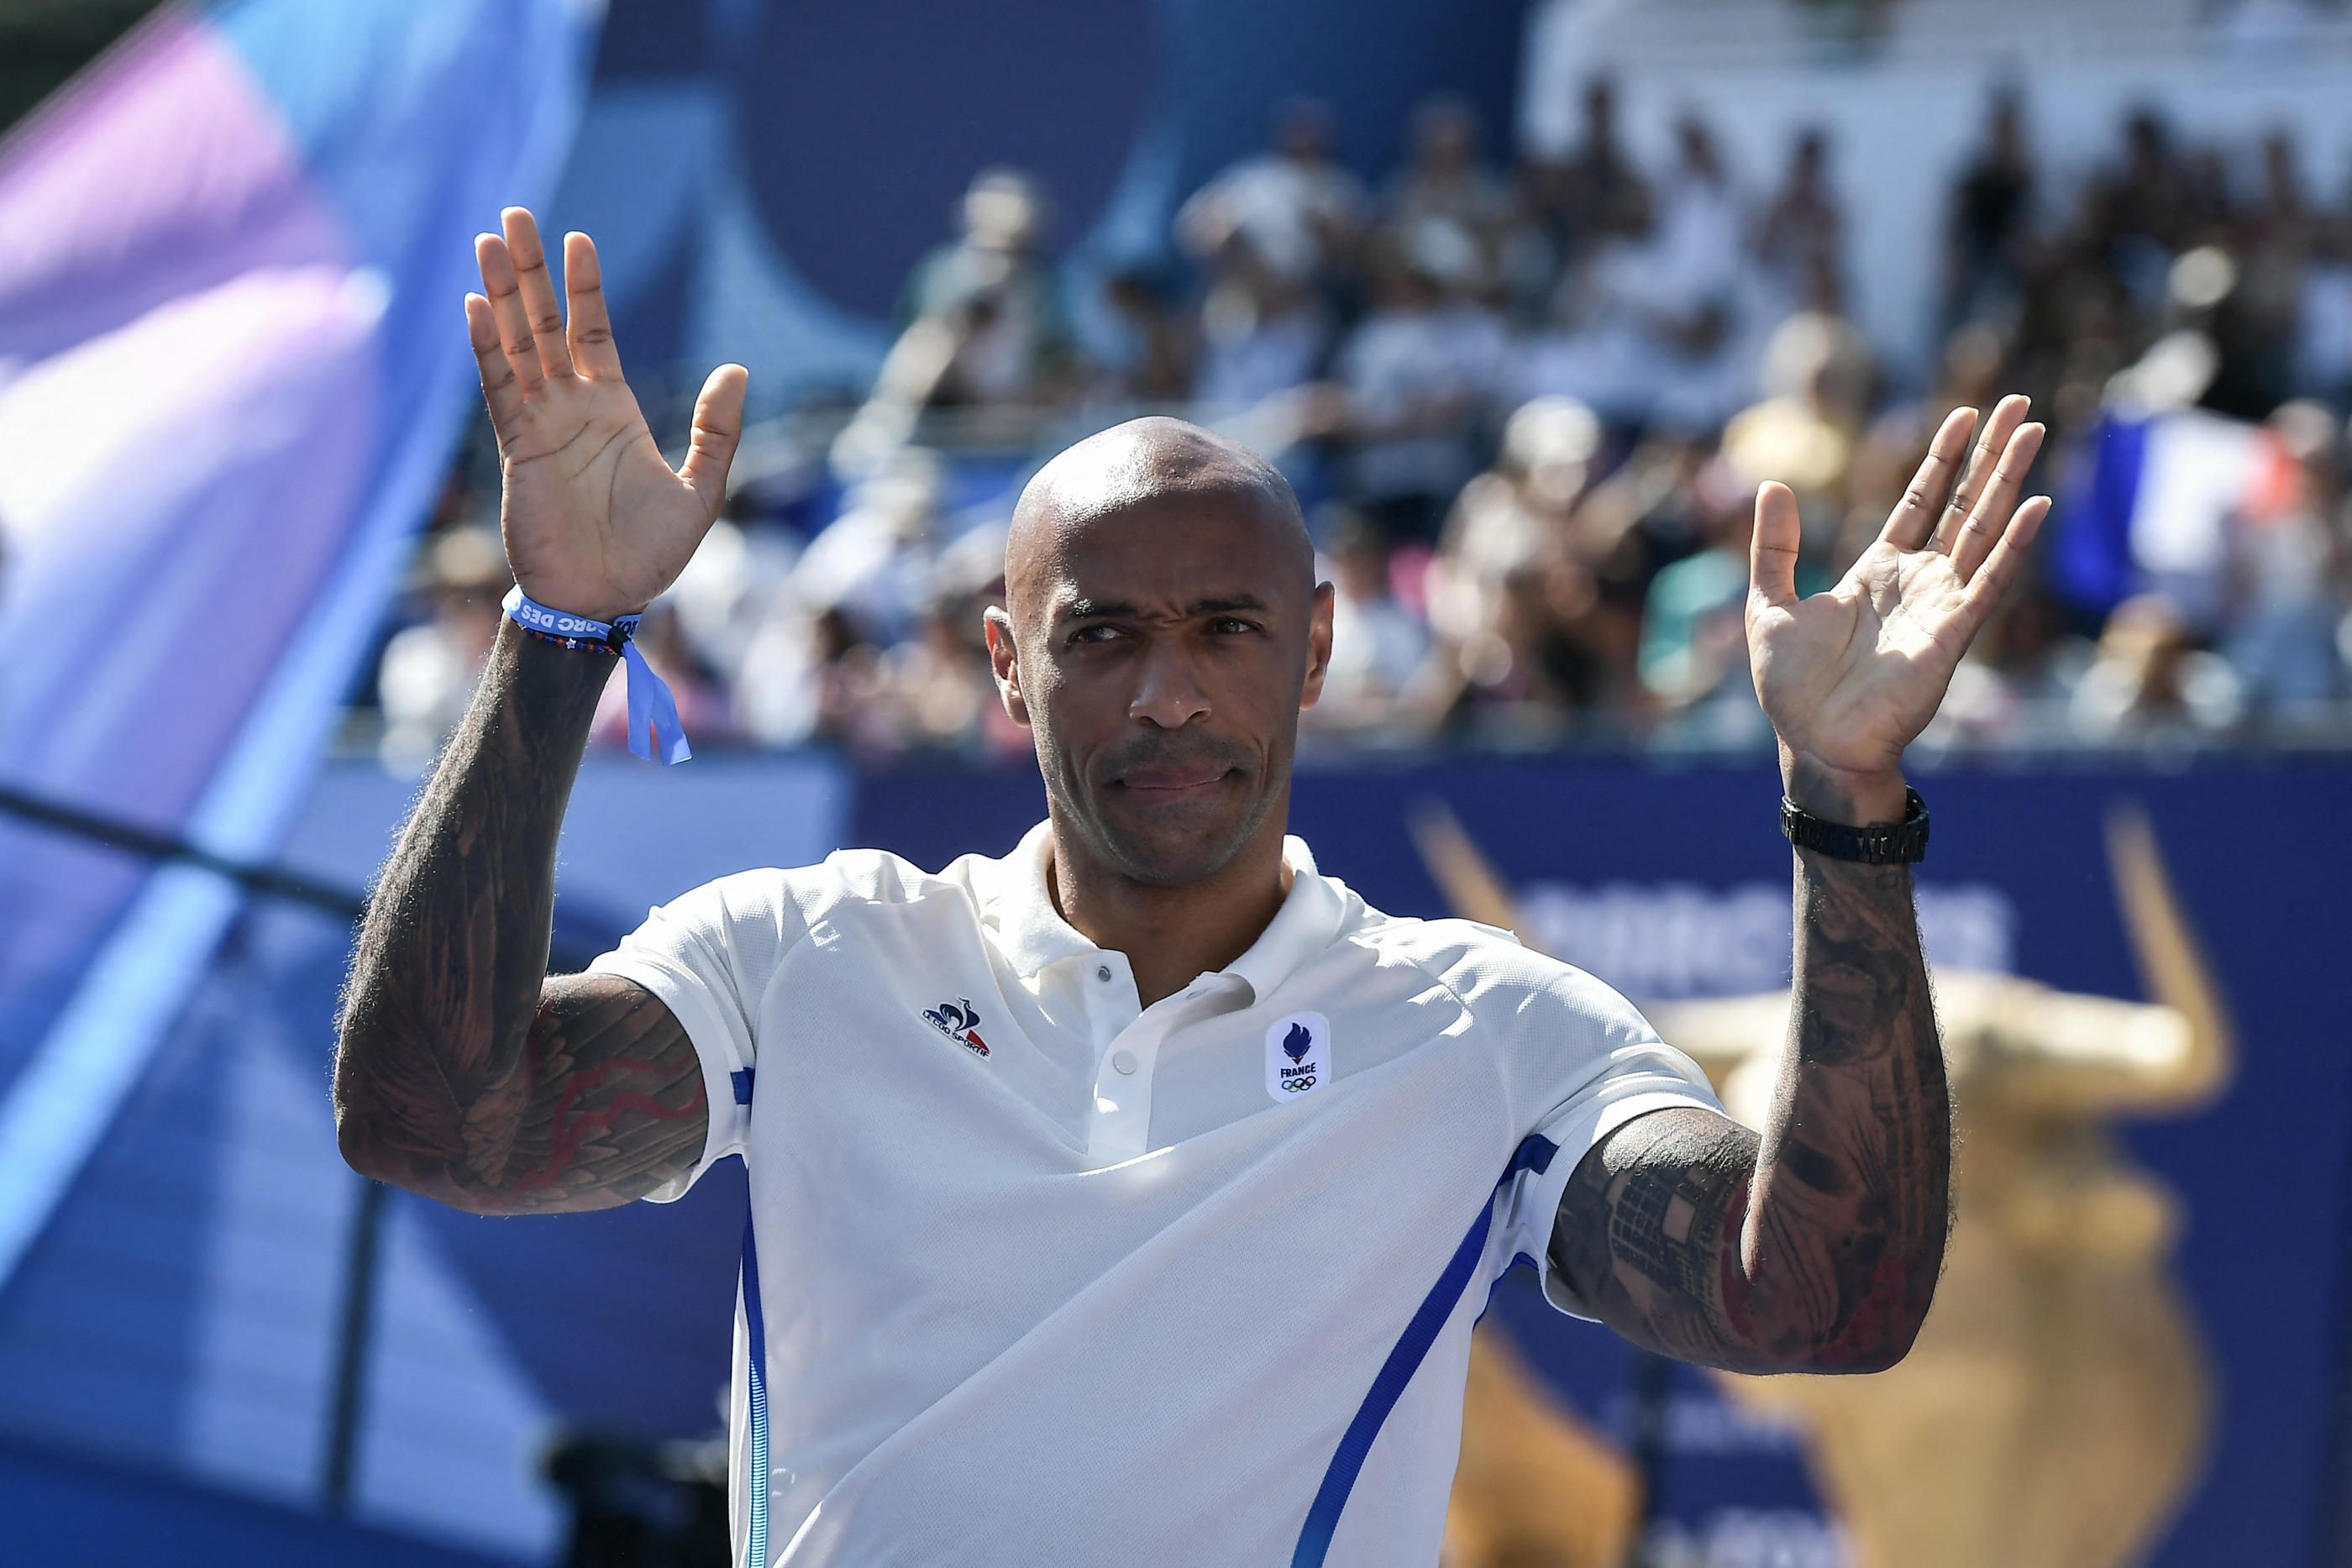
x=1299, y=1085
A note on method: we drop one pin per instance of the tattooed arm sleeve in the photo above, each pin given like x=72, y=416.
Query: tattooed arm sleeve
x=1815, y=1248
x=463, y=1071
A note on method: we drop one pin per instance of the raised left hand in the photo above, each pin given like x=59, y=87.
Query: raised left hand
x=1849, y=677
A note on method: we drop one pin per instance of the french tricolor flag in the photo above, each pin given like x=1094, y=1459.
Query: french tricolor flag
x=2151, y=505
x=232, y=366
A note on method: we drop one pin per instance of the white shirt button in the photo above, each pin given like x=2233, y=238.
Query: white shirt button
x=1102, y=971
x=1124, y=1061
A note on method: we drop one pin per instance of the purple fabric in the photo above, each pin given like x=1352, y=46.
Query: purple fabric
x=164, y=172
x=188, y=379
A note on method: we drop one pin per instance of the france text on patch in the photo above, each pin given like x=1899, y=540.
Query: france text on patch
x=1297, y=1056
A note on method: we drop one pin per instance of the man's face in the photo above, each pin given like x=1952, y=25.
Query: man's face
x=1161, y=653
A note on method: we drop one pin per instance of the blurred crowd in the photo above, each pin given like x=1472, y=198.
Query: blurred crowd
x=1525, y=409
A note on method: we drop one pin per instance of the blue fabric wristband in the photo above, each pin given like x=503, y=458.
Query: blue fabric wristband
x=654, y=728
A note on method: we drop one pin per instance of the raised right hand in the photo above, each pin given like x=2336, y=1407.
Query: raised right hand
x=596, y=522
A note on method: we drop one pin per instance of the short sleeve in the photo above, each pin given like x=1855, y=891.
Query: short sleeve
x=710, y=956
x=1607, y=1067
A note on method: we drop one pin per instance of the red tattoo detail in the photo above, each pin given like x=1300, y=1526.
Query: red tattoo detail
x=1866, y=1331
x=569, y=1128
x=1736, y=1284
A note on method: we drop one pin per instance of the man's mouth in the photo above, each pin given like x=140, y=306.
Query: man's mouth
x=1175, y=785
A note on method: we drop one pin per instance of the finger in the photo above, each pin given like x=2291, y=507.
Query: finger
x=2006, y=415
x=718, y=427
x=499, y=388
x=593, y=352
x=1772, y=549
x=1985, y=591
x=506, y=307
x=1984, y=526
x=537, y=283
x=1914, y=517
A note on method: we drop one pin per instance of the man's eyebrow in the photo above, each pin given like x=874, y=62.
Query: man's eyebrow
x=1092, y=609
x=1104, y=609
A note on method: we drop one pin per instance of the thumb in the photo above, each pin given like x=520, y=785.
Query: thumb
x=718, y=429
x=1772, y=547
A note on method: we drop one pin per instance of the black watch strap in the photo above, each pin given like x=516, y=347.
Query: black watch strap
x=1879, y=843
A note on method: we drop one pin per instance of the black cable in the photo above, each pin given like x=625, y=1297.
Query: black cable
x=129, y=837
x=269, y=881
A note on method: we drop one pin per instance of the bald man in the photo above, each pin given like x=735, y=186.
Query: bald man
x=1130, y=1198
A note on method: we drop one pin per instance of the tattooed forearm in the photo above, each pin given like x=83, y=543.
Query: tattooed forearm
x=1816, y=1246
x=1646, y=1224
x=461, y=1071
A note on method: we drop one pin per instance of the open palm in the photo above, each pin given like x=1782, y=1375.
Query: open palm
x=1849, y=677
x=596, y=522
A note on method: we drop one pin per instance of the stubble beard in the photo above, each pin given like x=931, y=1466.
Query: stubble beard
x=1182, y=853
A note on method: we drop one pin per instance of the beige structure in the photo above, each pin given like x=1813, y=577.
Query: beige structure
x=2054, y=1410
x=1536, y=1488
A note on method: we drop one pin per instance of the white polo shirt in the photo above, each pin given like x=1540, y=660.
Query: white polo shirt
x=1038, y=1275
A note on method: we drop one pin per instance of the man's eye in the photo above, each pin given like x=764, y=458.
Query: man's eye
x=1097, y=633
x=1228, y=625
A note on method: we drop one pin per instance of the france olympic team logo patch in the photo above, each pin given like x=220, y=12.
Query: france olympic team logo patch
x=1297, y=1056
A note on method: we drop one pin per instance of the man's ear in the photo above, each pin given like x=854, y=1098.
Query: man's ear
x=1005, y=660
x=1318, y=645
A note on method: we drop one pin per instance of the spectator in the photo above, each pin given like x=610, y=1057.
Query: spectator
x=2288, y=551
x=2145, y=212
x=2323, y=341
x=1154, y=350
x=2152, y=680
x=1378, y=646
x=993, y=302
x=1296, y=211
x=1968, y=375
x=1596, y=195
x=807, y=673
x=2259, y=321
x=1444, y=181
x=1986, y=261
x=429, y=672
x=1652, y=321
x=938, y=682
x=1262, y=333
x=1802, y=241
x=874, y=562
x=1417, y=372
x=1703, y=295
x=1694, y=639
x=983, y=327
x=1513, y=596
x=2139, y=319
x=1648, y=515
x=1817, y=377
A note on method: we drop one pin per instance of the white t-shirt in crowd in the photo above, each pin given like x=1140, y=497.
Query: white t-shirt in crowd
x=1045, y=1276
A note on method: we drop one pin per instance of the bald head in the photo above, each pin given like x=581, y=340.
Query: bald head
x=1143, y=473
x=1162, y=629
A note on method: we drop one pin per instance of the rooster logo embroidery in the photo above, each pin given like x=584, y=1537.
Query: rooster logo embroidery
x=959, y=1021
x=1298, y=1043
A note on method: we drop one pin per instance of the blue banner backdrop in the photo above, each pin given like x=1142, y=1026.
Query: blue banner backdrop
x=194, y=1272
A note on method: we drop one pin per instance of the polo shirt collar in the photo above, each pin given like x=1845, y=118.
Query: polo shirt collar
x=1030, y=931
x=1032, y=935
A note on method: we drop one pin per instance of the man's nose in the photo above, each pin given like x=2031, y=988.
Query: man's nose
x=1170, y=694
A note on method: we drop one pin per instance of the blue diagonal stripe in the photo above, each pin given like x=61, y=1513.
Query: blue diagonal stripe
x=756, y=1332
x=1356, y=1444
x=1534, y=1153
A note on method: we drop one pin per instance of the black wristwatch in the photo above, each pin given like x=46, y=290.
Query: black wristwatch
x=1879, y=843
